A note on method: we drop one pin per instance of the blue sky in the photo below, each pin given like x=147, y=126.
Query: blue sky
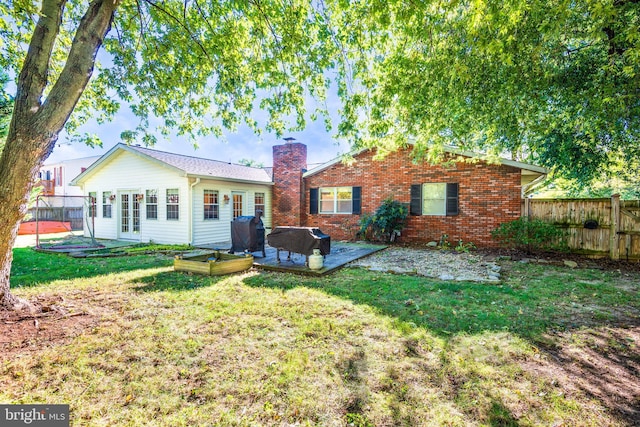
x=244, y=144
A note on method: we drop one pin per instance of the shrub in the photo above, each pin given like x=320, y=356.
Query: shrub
x=530, y=235
x=387, y=223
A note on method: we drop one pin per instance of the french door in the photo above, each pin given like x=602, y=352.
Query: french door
x=237, y=206
x=129, y=218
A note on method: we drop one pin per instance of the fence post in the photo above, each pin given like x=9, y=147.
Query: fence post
x=614, y=237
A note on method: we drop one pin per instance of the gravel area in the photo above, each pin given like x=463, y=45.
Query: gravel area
x=443, y=265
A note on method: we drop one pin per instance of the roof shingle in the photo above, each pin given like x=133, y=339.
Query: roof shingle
x=197, y=166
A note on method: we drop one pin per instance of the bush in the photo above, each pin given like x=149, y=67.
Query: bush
x=387, y=223
x=530, y=235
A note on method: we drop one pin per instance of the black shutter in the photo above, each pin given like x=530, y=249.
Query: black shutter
x=452, y=199
x=415, y=208
x=356, y=197
x=313, y=201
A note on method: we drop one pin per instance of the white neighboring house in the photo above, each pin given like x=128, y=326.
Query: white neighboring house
x=148, y=195
x=56, y=177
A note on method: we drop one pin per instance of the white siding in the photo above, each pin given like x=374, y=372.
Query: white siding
x=127, y=172
x=219, y=230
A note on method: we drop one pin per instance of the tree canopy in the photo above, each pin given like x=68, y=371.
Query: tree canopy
x=198, y=66
x=552, y=82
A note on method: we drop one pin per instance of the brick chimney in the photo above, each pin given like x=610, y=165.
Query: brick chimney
x=289, y=163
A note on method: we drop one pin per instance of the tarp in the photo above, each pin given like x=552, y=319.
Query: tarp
x=244, y=234
x=300, y=240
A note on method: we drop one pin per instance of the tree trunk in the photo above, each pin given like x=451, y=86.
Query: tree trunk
x=20, y=162
x=35, y=124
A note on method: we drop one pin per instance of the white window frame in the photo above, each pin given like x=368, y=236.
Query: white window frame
x=106, y=204
x=171, y=203
x=215, y=206
x=149, y=196
x=434, y=206
x=335, y=206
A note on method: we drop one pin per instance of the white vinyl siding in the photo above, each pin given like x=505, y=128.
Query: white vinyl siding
x=127, y=172
x=219, y=231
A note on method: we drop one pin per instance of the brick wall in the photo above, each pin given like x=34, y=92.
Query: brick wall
x=289, y=162
x=488, y=196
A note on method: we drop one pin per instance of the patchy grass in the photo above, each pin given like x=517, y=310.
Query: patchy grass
x=354, y=348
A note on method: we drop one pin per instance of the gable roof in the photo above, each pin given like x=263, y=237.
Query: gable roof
x=527, y=169
x=187, y=166
x=531, y=175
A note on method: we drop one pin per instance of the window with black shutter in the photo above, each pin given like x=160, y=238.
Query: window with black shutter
x=335, y=200
x=434, y=199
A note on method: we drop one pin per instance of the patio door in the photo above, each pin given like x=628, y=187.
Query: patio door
x=129, y=218
x=237, y=206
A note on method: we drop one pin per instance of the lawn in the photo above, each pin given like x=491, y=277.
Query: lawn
x=143, y=345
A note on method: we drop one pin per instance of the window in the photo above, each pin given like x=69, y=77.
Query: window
x=57, y=176
x=106, y=204
x=259, y=203
x=173, y=204
x=434, y=199
x=92, y=204
x=211, y=205
x=151, y=203
x=335, y=200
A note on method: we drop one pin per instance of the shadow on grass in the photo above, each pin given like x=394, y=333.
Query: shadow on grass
x=542, y=305
x=175, y=282
x=32, y=268
x=526, y=308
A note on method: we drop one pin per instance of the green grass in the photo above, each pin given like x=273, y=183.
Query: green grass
x=529, y=304
x=353, y=348
x=32, y=268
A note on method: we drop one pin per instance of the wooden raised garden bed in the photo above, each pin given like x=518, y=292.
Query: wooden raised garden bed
x=213, y=264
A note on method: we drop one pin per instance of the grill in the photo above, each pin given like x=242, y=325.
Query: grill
x=300, y=240
x=247, y=234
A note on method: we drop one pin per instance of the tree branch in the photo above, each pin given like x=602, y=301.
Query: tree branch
x=35, y=70
x=79, y=65
x=183, y=25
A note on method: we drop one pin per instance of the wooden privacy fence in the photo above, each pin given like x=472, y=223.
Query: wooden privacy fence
x=596, y=227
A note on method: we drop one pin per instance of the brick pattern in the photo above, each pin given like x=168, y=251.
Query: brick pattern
x=488, y=196
x=289, y=163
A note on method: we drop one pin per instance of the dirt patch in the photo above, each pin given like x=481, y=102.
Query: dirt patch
x=24, y=332
x=603, y=362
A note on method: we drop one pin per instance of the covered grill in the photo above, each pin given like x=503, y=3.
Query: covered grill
x=247, y=234
x=300, y=240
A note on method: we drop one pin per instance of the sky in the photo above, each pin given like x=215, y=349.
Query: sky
x=244, y=144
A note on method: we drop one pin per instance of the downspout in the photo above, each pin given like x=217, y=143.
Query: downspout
x=527, y=188
x=191, y=210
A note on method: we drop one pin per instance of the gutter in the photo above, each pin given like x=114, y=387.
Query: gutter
x=191, y=213
x=528, y=188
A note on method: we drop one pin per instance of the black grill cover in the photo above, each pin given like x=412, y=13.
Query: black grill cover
x=247, y=234
x=300, y=240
